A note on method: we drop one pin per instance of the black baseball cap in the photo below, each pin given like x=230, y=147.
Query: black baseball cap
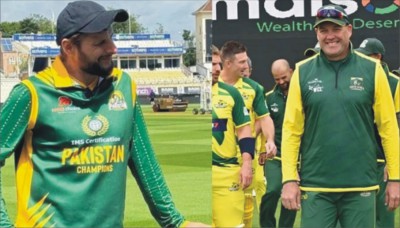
x=396, y=72
x=86, y=17
x=371, y=46
x=331, y=13
x=312, y=51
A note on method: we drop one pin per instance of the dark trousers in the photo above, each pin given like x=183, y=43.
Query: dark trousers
x=269, y=202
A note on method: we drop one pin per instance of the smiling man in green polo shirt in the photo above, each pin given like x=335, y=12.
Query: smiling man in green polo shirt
x=334, y=100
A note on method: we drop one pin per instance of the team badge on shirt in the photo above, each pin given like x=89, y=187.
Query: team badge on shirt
x=117, y=101
x=356, y=83
x=245, y=96
x=220, y=104
x=95, y=126
x=275, y=107
x=315, y=86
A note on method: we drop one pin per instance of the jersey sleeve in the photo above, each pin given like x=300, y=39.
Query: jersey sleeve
x=292, y=131
x=14, y=117
x=386, y=122
x=259, y=103
x=397, y=98
x=147, y=172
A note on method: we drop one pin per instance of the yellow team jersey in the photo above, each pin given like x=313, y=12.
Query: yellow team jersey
x=253, y=97
x=228, y=113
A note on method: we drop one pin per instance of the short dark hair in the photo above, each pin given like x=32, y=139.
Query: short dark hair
x=231, y=48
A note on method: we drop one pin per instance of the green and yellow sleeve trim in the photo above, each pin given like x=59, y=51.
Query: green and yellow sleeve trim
x=359, y=189
x=386, y=122
x=292, y=131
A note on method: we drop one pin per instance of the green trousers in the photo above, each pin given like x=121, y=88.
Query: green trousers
x=269, y=202
x=384, y=218
x=325, y=210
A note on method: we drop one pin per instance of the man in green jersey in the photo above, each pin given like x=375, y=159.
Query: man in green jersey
x=276, y=101
x=75, y=127
x=258, y=179
x=234, y=61
x=374, y=48
x=231, y=128
x=335, y=99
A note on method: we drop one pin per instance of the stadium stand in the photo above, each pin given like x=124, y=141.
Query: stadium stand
x=154, y=61
x=171, y=76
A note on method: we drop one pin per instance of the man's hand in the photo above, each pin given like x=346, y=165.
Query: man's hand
x=392, y=198
x=262, y=157
x=246, y=173
x=291, y=196
x=271, y=149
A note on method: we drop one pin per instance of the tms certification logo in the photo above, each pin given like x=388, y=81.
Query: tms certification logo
x=95, y=126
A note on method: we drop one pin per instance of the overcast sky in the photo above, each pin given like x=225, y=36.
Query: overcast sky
x=174, y=15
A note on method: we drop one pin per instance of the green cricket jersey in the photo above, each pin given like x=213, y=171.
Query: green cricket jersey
x=228, y=113
x=330, y=115
x=72, y=152
x=276, y=102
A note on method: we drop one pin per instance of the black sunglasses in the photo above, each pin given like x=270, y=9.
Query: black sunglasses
x=330, y=13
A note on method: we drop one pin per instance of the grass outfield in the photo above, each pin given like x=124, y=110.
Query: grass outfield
x=182, y=142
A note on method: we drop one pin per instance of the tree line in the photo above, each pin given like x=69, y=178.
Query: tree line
x=36, y=24
x=39, y=24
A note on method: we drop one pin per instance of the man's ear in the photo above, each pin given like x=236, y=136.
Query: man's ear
x=66, y=45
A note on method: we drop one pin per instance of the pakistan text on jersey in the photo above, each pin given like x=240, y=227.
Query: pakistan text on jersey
x=93, y=155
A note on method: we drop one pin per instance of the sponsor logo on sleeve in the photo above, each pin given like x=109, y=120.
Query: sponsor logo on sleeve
x=219, y=124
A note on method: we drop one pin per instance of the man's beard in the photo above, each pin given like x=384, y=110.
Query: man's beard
x=284, y=86
x=95, y=68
